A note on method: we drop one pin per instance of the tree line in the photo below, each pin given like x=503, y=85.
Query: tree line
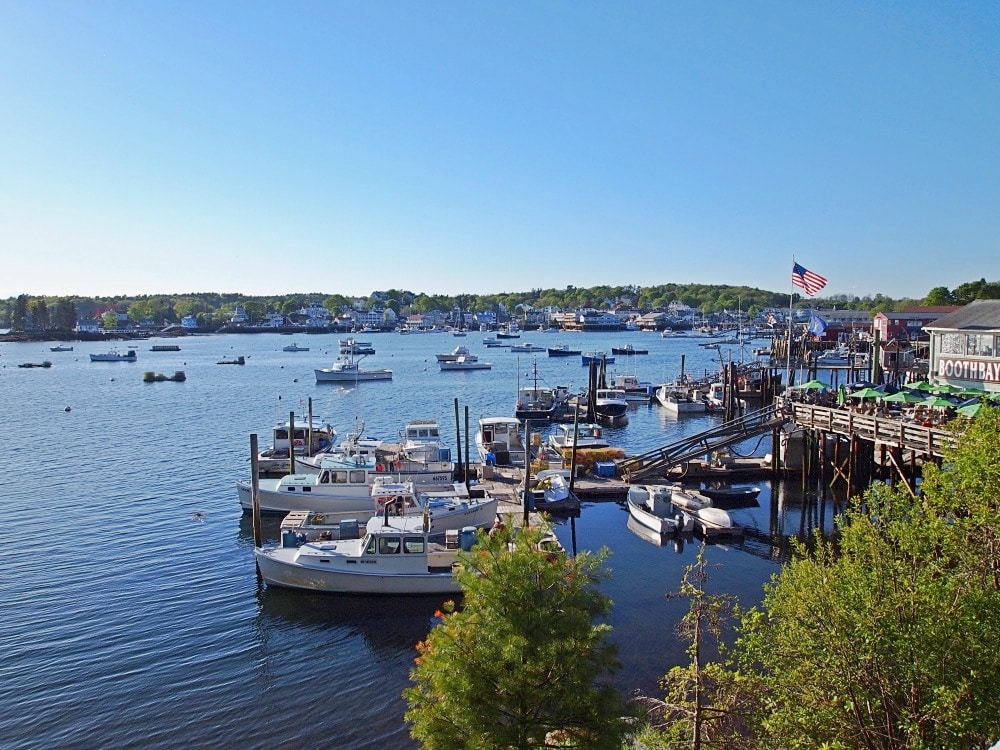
x=28, y=312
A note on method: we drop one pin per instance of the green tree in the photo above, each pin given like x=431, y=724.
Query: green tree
x=38, y=313
x=110, y=320
x=520, y=664
x=65, y=314
x=888, y=639
x=939, y=295
x=19, y=316
x=140, y=310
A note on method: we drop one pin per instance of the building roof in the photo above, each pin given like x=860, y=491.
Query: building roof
x=942, y=309
x=924, y=314
x=979, y=315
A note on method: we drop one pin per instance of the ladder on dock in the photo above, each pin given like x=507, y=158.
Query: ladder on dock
x=657, y=462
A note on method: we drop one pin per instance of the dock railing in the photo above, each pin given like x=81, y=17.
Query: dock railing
x=657, y=462
x=891, y=430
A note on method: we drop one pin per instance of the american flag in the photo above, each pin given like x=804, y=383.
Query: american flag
x=803, y=278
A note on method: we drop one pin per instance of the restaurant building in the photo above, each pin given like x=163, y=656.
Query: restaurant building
x=964, y=347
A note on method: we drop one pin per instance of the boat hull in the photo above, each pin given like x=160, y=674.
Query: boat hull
x=285, y=567
x=349, y=499
x=332, y=376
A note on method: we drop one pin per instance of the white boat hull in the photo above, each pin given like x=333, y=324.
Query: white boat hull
x=348, y=498
x=667, y=519
x=348, y=376
x=281, y=566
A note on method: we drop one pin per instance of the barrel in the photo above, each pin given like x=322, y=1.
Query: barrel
x=467, y=538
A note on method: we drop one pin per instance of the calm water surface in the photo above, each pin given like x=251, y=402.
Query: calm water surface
x=132, y=613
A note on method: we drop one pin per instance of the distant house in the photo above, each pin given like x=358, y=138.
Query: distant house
x=965, y=346
x=653, y=321
x=908, y=325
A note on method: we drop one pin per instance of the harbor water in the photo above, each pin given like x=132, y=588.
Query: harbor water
x=133, y=616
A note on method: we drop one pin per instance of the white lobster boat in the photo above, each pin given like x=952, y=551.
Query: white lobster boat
x=395, y=555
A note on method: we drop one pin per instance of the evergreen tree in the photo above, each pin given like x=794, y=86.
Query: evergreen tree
x=520, y=664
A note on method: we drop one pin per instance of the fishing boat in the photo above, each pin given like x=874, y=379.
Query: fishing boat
x=114, y=355
x=499, y=441
x=346, y=369
x=587, y=435
x=635, y=390
x=355, y=347
x=598, y=357
x=536, y=402
x=60, y=348
x=293, y=347
x=459, y=351
x=650, y=505
x=562, y=350
x=492, y=343
x=526, y=348
x=678, y=400
x=341, y=485
x=304, y=437
x=465, y=362
x=447, y=510
x=628, y=350
x=610, y=405
x=396, y=555
x=420, y=457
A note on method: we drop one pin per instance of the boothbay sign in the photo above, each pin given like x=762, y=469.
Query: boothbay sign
x=987, y=371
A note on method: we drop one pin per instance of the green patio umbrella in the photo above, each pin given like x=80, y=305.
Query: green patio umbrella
x=937, y=402
x=973, y=393
x=841, y=394
x=920, y=385
x=812, y=385
x=945, y=388
x=970, y=410
x=868, y=393
x=904, y=397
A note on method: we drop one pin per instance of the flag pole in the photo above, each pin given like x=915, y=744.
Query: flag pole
x=791, y=293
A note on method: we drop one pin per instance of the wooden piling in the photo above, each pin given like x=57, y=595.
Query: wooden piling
x=258, y=533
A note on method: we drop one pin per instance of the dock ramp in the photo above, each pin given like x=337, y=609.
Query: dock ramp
x=657, y=462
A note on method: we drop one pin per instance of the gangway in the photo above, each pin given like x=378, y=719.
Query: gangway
x=659, y=461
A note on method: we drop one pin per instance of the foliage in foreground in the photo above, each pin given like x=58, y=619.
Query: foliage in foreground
x=888, y=640
x=521, y=664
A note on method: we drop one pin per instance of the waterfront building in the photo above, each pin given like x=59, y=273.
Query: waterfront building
x=909, y=324
x=964, y=346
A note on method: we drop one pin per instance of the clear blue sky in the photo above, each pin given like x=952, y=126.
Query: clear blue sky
x=446, y=147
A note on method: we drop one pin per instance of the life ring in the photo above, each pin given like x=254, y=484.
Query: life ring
x=399, y=465
x=380, y=467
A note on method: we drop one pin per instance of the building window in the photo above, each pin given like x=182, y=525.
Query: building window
x=953, y=343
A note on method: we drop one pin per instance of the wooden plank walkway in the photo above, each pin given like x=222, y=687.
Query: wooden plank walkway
x=892, y=431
